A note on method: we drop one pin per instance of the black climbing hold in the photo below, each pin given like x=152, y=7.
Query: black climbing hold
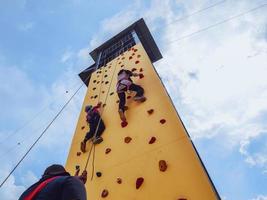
x=141, y=76
x=82, y=127
x=130, y=57
x=127, y=139
x=136, y=62
x=79, y=153
x=98, y=174
x=152, y=140
x=106, y=76
x=133, y=69
x=104, y=193
x=108, y=150
x=95, y=96
x=141, y=69
x=94, y=81
x=162, y=121
x=94, y=88
x=106, y=82
x=162, y=165
x=150, y=111
x=139, y=182
x=111, y=93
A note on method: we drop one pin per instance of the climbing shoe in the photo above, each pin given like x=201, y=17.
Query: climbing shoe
x=97, y=140
x=140, y=99
x=122, y=116
x=83, y=146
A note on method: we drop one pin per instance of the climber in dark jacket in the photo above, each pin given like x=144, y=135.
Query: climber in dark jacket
x=57, y=184
x=125, y=84
x=96, y=125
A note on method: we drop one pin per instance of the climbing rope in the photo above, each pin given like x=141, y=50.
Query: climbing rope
x=43, y=132
x=101, y=113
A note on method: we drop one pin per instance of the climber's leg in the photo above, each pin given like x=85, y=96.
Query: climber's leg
x=98, y=139
x=139, y=92
x=88, y=136
x=122, y=102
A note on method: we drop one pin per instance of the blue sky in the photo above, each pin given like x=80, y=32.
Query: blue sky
x=217, y=80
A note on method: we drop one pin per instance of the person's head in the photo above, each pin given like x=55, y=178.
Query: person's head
x=88, y=108
x=55, y=170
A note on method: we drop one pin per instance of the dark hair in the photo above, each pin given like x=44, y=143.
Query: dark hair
x=121, y=71
x=55, y=170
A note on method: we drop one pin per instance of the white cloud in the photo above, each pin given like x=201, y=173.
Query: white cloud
x=260, y=197
x=67, y=55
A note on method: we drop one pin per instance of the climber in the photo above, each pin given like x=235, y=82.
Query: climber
x=57, y=184
x=96, y=125
x=125, y=84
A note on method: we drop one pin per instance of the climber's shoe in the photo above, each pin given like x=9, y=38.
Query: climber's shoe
x=97, y=140
x=83, y=146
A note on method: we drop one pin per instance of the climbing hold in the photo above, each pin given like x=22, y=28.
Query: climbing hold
x=130, y=57
x=133, y=54
x=135, y=50
x=162, y=121
x=141, y=76
x=111, y=93
x=104, y=193
x=106, y=82
x=133, y=69
x=102, y=81
x=82, y=127
x=129, y=97
x=103, y=92
x=124, y=124
x=152, y=140
x=104, y=105
x=139, y=182
x=98, y=174
x=118, y=101
x=94, y=81
x=138, y=56
x=97, y=76
x=141, y=69
x=182, y=199
x=94, y=88
x=106, y=76
x=119, y=181
x=119, y=63
x=150, y=111
x=95, y=96
x=98, y=82
x=136, y=62
x=92, y=97
x=127, y=139
x=108, y=150
x=79, y=153
x=106, y=70
x=162, y=165
x=123, y=58
x=122, y=65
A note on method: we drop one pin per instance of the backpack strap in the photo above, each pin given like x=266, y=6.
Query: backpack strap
x=36, y=190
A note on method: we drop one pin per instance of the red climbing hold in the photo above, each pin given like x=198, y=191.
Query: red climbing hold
x=79, y=153
x=152, y=140
x=129, y=97
x=141, y=69
x=104, y=193
x=139, y=182
x=141, y=76
x=119, y=181
x=133, y=69
x=136, y=62
x=182, y=199
x=124, y=124
x=127, y=139
x=108, y=150
x=130, y=57
x=150, y=111
x=162, y=165
x=162, y=121
x=82, y=127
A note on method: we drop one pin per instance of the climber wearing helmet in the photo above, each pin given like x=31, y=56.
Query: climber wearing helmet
x=96, y=126
x=125, y=84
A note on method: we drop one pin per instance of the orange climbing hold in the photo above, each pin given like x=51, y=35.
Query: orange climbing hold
x=150, y=111
x=127, y=139
x=104, y=193
x=108, y=150
x=162, y=165
x=152, y=140
x=139, y=182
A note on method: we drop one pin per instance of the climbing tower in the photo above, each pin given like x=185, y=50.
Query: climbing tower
x=151, y=157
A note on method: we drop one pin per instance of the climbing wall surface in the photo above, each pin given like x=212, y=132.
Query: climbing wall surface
x=152, y=157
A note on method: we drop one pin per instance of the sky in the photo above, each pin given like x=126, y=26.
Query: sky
x=215, y=76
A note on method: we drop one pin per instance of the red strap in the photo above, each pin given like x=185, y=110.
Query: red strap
x=39, y=188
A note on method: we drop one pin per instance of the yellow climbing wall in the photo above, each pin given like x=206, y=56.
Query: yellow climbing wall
x=184, y=177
